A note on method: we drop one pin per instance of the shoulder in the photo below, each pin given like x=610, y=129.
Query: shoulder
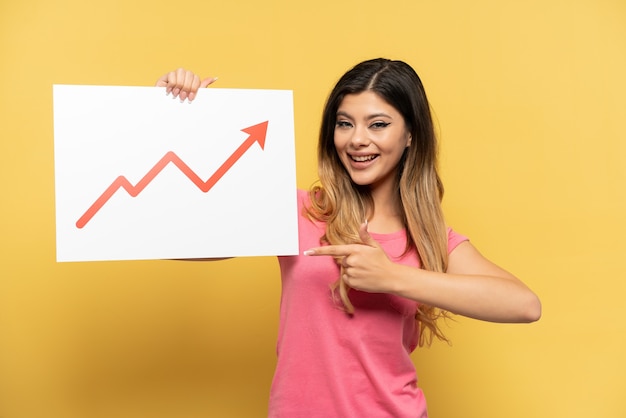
x=454, y=239
x=304, y=199
x=303, y=194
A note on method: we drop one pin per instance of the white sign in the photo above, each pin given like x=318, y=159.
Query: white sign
x=141, y=176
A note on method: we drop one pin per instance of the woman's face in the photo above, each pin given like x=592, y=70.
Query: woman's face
x=370, y=138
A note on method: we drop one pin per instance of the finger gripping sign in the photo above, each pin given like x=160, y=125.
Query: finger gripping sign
x=141, y=176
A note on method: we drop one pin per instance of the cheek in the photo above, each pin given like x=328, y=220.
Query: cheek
x=340, y=144
x=338, y=140
x=338, y=147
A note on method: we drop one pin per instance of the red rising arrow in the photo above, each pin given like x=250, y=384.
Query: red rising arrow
x=256, y=133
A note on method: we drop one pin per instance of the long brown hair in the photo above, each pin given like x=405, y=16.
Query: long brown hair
x=343, y=205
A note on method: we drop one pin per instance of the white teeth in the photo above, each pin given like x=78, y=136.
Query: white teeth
x=362, y=158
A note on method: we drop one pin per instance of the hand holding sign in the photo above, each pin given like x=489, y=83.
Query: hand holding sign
x=183, y=83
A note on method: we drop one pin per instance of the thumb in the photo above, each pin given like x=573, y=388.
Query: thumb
x=365, y=235
x=207, y=81
x=204, y=83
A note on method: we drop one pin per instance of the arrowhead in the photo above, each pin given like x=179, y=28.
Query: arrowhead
x=257, y=133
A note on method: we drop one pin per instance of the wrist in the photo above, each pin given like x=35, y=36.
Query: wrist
x=401, y=279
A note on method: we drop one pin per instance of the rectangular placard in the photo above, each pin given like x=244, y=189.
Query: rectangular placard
x=141, y=176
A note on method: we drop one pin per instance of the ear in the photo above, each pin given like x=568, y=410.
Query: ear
x=408, y=142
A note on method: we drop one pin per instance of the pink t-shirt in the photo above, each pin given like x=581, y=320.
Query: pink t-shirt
x=331, y=364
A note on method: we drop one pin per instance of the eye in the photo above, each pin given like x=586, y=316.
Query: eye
x=343, y=124
x=379, y=125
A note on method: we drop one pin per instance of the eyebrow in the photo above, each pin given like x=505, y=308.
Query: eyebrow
x=372, y=116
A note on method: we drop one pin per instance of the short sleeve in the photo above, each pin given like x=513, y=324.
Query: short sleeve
x=454, y=239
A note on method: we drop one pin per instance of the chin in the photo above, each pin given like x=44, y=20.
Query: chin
x=361, y=182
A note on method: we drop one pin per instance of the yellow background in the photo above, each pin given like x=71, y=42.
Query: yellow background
x=530, y=102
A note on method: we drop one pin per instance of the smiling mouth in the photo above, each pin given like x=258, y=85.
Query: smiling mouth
x=363, y=158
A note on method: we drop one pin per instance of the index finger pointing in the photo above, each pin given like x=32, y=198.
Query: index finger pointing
x=334, y=250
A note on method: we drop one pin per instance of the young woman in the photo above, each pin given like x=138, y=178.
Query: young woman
x=379, y=265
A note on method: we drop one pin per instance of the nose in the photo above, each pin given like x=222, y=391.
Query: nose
x=359, y=137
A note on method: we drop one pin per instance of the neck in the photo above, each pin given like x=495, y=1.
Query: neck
x=386, y=215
